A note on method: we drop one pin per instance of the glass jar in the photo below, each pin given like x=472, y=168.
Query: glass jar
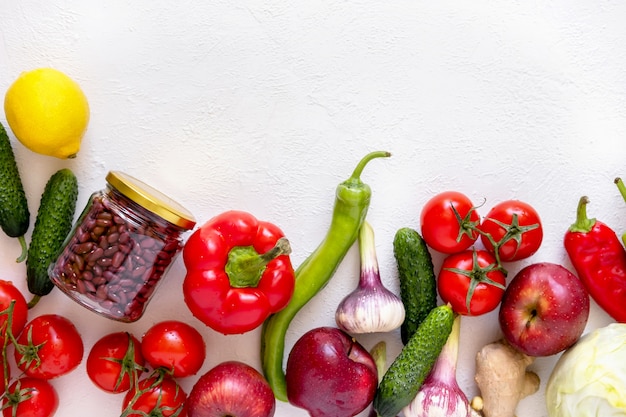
x=120, y=248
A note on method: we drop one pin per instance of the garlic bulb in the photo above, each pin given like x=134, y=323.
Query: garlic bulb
x=371, y=307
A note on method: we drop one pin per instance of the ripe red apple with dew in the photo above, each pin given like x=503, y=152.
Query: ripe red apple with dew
x=232, y=389
x=544, y=309
x=330, y=374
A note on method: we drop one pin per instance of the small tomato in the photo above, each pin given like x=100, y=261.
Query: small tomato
x=448, y=222
x=9, y=293
x=471, y=282
x=155, y=397
x=174, y=346
x=114, y=361
x=30, y=397
x=514, y=227
x=49, y=346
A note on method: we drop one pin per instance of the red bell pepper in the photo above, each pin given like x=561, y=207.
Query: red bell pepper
x=238, y=272
x=600, y=261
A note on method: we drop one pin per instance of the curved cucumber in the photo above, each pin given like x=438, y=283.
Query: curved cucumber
x=405, y=376
x=53, y=224
x=14, y=214
x=418, y=284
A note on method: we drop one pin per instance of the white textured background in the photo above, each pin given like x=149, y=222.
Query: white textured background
x=266, y=106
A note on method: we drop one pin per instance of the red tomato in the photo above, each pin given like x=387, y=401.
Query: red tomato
x=30, y=397
x=175, y=346
x=8, y=293
x=448, y=222
x=156, y=398
x=49, y=346
x=113, y=359
x=471, y=282
x=515, y=228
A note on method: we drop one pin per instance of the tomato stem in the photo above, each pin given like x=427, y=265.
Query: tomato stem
x=513, y=231
x=29, y=352
x=467, y=227
x=476, y=276
x=157, y=377
x=5, y=343
x=128, y=364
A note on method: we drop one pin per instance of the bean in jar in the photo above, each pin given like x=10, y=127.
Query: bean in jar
x=120, y=248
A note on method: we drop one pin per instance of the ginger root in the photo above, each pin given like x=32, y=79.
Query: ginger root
x=502, y=379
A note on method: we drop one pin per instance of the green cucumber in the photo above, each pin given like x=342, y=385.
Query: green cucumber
x=52, y=225
x=14, y=214
x=406, y=374
x=418, y=285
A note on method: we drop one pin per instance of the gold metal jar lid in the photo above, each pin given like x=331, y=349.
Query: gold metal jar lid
x=151, y=199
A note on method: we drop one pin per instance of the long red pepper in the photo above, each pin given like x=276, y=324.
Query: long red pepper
x=600, y=261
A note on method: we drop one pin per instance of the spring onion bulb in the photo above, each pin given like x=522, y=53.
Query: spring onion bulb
x=371, y=307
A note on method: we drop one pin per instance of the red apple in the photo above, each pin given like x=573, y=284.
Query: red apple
x=544, y=309
x=231, y=389
x=330, y=374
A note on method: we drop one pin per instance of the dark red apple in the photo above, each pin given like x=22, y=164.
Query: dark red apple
x=544, y=309
x=330, y=374
x=232, y=389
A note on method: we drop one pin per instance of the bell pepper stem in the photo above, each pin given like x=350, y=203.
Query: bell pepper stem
x=245, y=265
x=281, y=247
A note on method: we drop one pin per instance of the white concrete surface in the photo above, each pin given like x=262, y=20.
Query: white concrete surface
x=266, y=106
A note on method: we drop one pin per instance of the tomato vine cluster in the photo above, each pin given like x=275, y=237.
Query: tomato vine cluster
x=44, y=348
x=172, y=349
x=473, y=279
x=49, y=346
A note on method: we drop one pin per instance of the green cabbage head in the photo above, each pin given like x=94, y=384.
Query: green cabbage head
x=589, y=379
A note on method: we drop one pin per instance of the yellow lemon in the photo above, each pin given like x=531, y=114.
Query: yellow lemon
x=48, y=112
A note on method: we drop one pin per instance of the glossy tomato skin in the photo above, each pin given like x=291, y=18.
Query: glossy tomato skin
x=58, y=343
x=113, y=359
x=175, y=346
x=8, y=293
x=442, y=230
x=165, y=398
x=38, y=398
x=453, y=286
x=523, y=235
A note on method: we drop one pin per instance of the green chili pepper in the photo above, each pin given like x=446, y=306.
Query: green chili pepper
x=352, y=201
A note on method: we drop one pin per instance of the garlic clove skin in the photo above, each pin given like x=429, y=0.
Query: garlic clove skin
x=371, y=307
x=370, y=310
